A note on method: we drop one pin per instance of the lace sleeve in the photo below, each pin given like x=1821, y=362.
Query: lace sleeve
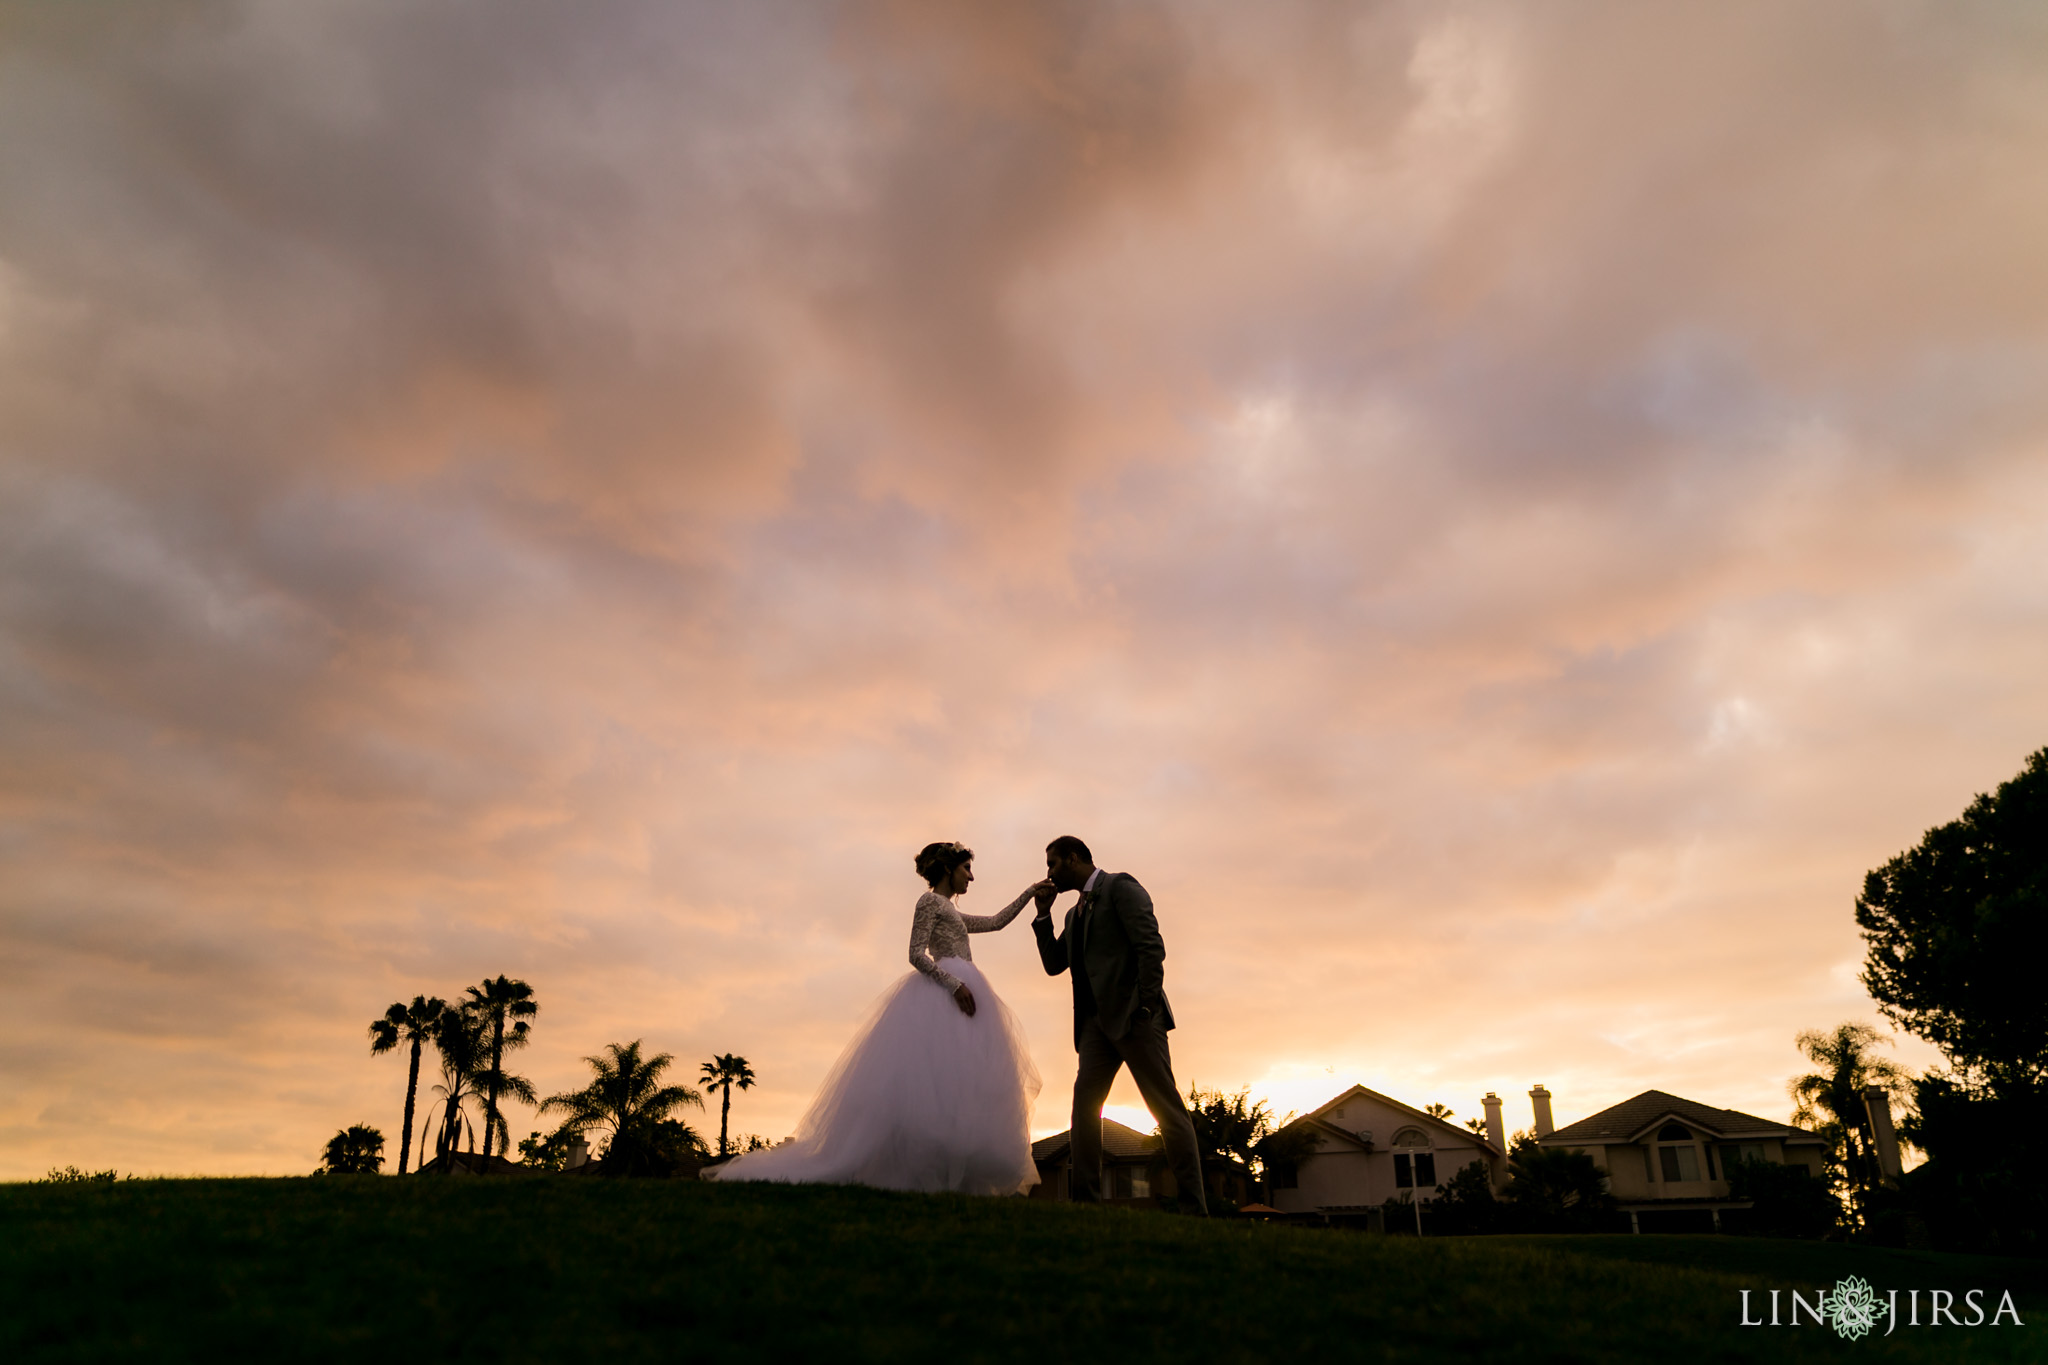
x=920, y=942
x=988, y=924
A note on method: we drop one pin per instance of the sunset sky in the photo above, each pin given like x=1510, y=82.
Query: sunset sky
x=1497, y=515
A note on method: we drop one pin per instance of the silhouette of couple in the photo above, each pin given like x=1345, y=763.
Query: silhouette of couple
x=934, y=1090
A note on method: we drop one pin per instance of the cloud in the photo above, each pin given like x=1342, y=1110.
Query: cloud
x=1498, y=518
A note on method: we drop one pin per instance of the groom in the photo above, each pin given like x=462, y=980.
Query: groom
x=1111, y=942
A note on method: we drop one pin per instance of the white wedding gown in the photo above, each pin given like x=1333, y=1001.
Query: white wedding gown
x=923, y=1097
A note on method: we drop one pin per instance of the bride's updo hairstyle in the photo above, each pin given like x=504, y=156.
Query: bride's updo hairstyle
x=935, y=862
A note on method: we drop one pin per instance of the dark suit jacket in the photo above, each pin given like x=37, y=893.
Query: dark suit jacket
x=1114, y=938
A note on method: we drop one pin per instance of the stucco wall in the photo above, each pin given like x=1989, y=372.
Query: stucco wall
x=1341, y=1176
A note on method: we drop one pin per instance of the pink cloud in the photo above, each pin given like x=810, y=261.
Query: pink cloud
x=1497, y=520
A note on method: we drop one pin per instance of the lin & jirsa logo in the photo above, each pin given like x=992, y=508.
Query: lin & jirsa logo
x=1853, y=1309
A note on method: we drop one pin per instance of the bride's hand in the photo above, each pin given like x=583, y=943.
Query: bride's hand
x=964, y=998
x=1042, y=893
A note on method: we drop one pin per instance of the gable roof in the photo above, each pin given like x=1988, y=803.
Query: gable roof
x=474, y=1163
x=1117, y=1141
x=1320, y=1119
x=1629, y=1120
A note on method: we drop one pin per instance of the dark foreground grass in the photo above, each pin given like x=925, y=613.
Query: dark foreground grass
x=558, y=1269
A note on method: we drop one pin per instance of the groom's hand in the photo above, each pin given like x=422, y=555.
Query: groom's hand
x=1042, y=894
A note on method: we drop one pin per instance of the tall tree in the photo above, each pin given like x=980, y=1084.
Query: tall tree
x=625, y=1094
x=723, y=1072
x=1830, y=1099
x=499, y=1002
x=460, y=1041
x=497, y=1128
x=414, y=1024
x=1954, y=928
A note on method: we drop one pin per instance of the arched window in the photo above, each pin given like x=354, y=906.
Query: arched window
x=1674, y=1132
x=1414, y=1163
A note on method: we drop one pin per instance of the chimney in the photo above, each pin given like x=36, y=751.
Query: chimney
x=1539, y=1100
x=579, y=1151
x=1495, y=1132
x=1879, y=1106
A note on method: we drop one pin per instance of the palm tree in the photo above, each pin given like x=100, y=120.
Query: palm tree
x=723, y=1072
x=459, y=1039
x=496, y=1001
x=1830, y=1100
x=1436, y=1109
x=497, y=1128
x=355, y=1150
x=1229, y=1129
x=413, y=1024
x=625, y=1094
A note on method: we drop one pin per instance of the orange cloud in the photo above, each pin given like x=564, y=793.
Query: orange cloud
x=1497, y=519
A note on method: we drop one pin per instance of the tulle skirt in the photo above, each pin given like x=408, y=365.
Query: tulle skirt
x=923, y=1098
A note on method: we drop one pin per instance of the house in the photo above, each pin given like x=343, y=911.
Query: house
x=1666, y=1157
x=1133, y=1165
x=1365, y=1148
x=472, y=1163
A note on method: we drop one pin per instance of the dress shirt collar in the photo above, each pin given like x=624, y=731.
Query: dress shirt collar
x=1089, y=885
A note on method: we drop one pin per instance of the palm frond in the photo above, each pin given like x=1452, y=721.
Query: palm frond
x=509, y=1085
x=659, y=1102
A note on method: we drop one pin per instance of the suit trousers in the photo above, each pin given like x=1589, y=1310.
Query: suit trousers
x=1144, y=1050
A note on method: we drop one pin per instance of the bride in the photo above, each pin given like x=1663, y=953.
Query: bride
x=934, y=1091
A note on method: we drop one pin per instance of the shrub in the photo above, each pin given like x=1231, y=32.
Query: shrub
x=1980, y=1188
x=1467, y=1204
x=1554, y=1190
x=666, y=1148
x=71, y=1175
x=1789, y=1201
x=550, y=1153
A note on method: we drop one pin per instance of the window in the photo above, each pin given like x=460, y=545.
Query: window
x=1677, y=1157
x=1414, y=1169
x=1126, y=1183
x=1680, y=1163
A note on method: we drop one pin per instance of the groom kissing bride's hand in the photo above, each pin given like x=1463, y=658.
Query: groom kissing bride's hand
x=1112, y=952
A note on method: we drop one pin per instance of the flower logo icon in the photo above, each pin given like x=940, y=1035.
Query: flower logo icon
x=1852, y=1307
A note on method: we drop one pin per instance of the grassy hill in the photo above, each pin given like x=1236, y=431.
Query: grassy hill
x=560, y=1269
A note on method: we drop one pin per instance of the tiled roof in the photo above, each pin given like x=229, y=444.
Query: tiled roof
x=1625, y=1120
x=1414, y=1115
x=473, y=1163
x=1117, y=1141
